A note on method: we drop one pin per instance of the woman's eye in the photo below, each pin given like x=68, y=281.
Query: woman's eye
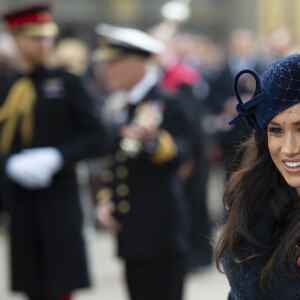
x=275, y=130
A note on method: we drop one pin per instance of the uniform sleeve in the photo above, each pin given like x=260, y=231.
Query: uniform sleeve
x=174, y=135
x=91, y=136
x=5, y=85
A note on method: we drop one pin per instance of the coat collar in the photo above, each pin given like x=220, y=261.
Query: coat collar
x=139, y=91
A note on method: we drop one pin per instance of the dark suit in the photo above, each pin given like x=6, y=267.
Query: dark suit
x=151, y=206
x=195, y=185
x=47, y=248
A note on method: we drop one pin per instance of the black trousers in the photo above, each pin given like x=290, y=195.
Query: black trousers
x=156, y=279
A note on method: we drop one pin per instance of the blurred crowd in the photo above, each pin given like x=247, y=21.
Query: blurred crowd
x=199, y=72
x=208, y=66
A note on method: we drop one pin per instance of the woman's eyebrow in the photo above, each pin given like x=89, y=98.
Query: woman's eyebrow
x=296, y=123
x=274, y=124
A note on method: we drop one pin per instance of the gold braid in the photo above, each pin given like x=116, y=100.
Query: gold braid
x=18, y=109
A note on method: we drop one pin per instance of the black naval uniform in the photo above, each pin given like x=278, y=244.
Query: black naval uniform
x=195, y=186
x=47, y=247
x=150, y=205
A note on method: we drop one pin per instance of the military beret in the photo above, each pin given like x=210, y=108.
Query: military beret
x=277, y=89
x=32, y=20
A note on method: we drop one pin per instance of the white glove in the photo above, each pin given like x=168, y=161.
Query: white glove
x=49, y=158
x=34, y=168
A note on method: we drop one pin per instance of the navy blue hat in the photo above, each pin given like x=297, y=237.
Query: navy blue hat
x=277, y=89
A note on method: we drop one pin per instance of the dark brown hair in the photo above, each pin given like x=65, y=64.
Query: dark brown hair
x=256, y=181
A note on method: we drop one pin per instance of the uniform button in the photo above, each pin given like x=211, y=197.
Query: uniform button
x=109, y=159
x=124, y=207
x=104, y=194
x=120, y=156
x=122, y=172
x=122, y=190
x=107, y=175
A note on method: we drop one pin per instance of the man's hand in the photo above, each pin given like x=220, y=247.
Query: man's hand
x=186, y=170
x=34, y=168
x=26, y=172
x=104, y=211
x=145, y=135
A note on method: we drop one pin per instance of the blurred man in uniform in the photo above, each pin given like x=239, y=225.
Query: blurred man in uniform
x=72, y=54
x=7, y=62
x=143, y=198
x=183, y=80
x=47, y=123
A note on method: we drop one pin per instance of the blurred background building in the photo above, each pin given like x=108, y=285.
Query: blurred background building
x=216, y=18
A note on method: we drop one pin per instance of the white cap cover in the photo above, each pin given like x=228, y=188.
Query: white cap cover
x=130, y=38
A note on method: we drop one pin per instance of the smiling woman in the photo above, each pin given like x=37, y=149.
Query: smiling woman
x=284, y=144
x=258, y=248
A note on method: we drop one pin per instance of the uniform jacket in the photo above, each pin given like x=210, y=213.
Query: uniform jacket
x=148, y=194
x=46, y=231
x=245, y=277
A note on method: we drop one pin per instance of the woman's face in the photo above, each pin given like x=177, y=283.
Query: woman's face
x=284, y=144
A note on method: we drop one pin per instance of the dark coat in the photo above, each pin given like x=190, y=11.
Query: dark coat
x=153, y=211
x=47, y=247
x=244, y=278
x=195, y=186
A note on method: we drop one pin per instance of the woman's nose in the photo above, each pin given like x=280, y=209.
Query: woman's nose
x=291, y=145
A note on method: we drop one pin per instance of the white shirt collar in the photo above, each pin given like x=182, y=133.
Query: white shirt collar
x=139, y=91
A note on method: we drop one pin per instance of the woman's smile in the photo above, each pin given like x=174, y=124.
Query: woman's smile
x=284, y=144
x=291, y=166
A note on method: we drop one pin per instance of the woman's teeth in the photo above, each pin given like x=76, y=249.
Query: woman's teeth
x=292, y=164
